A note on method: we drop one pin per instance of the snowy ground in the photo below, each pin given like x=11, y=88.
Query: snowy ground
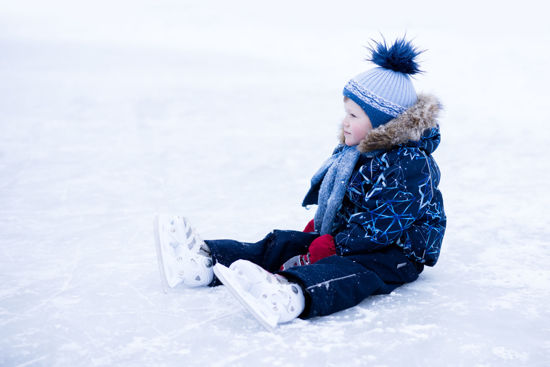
x=222, y=111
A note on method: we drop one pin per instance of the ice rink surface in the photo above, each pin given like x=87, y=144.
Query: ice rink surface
x=222, y=111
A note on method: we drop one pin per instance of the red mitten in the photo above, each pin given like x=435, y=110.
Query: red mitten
x=310, y=227
x=321, y=247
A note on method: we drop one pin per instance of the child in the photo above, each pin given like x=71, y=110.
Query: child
x=379, y=220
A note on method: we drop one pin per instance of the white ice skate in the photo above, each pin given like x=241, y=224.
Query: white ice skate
x=271, y=298
x=182, y=255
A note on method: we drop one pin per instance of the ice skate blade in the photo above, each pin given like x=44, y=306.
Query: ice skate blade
x=164, y=282
x=226, y=276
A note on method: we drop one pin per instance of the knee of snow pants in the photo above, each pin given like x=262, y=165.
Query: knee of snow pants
x=270, y=253
x=335, y=283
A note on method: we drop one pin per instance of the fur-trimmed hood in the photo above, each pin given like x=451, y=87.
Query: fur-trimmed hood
x=409, y=126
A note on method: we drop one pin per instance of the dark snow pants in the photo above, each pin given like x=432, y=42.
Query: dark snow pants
x=331, y=284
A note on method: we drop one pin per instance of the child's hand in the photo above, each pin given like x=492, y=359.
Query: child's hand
x=298, y=260
x=310, y=227
x=321, y=247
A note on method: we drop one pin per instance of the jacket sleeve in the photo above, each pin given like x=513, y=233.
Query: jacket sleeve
x=387, y=207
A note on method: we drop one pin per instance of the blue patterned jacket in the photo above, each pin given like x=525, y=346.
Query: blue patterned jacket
x=392, y=197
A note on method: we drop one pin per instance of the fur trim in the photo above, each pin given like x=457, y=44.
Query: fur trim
x=406, y=127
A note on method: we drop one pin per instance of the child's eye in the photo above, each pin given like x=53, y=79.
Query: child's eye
x=352, y=115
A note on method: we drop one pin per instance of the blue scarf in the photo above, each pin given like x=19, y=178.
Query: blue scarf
x=334, y=174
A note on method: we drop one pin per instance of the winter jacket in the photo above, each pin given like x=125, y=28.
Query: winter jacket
x=392, y=197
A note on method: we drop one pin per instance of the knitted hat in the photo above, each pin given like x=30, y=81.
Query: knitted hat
x=386, y=91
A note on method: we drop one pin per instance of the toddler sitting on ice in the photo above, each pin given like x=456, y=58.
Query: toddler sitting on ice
x=379, y=221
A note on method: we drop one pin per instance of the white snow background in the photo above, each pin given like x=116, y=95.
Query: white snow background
x=111, y=111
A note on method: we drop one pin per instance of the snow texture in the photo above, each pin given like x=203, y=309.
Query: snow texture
x=222, y=111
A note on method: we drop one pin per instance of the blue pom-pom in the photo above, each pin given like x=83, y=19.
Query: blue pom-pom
x=398, y=57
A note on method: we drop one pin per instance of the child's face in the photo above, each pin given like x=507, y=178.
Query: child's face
x=356, y=123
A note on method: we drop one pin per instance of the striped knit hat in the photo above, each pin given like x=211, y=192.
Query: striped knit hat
x=386, y=91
